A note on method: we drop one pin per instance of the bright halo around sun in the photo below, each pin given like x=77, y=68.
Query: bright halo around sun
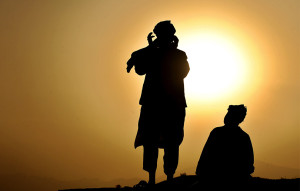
x=217, y=67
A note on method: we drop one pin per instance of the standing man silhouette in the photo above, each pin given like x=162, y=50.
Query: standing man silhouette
x=163, y=101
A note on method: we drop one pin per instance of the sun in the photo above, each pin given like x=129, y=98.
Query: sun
x=218, y=67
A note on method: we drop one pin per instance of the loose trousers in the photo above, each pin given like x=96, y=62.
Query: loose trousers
x=170, y=158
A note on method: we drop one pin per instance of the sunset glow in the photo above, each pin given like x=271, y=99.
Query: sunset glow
x=70, y=111
x=218, y=67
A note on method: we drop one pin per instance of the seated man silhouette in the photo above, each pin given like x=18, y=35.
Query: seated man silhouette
x=163, y=101
x=227, y=157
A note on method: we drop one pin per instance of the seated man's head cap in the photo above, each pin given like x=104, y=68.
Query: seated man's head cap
x=239, y=112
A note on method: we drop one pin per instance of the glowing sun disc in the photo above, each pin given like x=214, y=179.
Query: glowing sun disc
x=217, y=67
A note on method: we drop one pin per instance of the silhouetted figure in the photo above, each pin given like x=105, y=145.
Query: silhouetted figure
x=163, y=101
x=227, y=157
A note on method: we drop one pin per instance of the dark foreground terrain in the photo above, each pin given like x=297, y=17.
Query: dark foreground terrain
x=189, y=183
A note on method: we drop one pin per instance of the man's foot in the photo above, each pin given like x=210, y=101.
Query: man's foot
x=140, y=185
x=151, y=178
x=170, y=177
x=151, y=182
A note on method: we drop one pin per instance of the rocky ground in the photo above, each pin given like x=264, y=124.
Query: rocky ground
x=190, y=183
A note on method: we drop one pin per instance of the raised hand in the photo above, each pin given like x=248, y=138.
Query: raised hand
x=129, y=68
x=149, y=38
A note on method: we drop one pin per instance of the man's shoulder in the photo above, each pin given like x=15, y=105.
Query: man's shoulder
x=179, y=53
x=245, y=134
x=217, y=130
x=140, y=51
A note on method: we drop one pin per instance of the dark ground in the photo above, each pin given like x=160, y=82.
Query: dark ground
x=189, y=183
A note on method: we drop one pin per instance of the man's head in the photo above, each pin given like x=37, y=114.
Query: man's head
x=164, y=31
x=235, y=115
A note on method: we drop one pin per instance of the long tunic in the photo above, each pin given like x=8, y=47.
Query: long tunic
x=162, y=98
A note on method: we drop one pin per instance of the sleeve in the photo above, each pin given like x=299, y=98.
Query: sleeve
x=141, y=60
x=251, y=156
x=203, y=164
x=186, y=66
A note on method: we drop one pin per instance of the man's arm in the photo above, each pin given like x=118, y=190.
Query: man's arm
x=186, y=66
x=140, y=59
x=130, y=64
x=205, y=159
x=251, y=156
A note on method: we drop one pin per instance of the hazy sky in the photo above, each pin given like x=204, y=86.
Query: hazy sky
x=69, y=110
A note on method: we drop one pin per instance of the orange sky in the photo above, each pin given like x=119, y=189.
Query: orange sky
x=69, y=110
